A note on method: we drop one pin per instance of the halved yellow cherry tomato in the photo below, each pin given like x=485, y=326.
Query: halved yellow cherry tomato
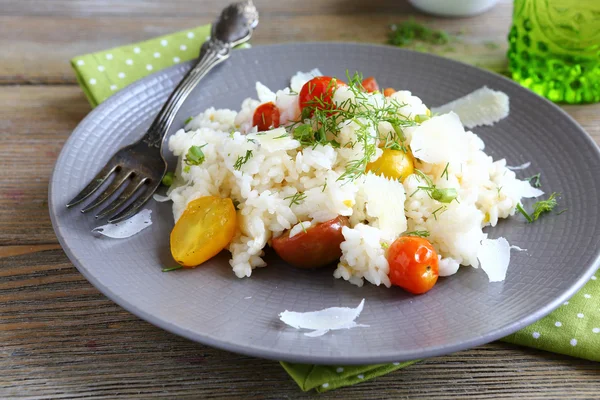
x=204, y=229
x=394, y=164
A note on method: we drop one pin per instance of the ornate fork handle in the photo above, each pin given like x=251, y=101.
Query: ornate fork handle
x=212, y=53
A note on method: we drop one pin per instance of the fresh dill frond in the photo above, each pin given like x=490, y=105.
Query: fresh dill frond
x=445, y=172
x=544, y=206
x=241, y=160
x=410, y=31
x=296, y=198
x=418, y=233
x=540, y=207
x=442, y=209
x=535, y=180
x=562, y=211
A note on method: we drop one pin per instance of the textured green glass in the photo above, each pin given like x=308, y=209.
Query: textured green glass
x=554, y=48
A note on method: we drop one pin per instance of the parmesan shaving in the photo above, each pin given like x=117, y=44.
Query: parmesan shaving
x=322, y=321
x=127, y=228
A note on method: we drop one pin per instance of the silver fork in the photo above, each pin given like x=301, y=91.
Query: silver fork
x=141, y=163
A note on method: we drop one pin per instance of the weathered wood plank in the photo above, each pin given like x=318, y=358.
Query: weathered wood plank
x=192, y=8
x=34, y=124
x=62, y=339
x=59, y=38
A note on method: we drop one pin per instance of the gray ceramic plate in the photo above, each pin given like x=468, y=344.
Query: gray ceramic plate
x=212, y=306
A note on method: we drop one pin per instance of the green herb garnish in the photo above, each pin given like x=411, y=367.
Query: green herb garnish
x=167, y=180
x=187, y=121
x=445, y=171
x=195, y=155
x=296, y=198
x=442, y=209
x=535, y=180
x=539, y=208
x=242, y=160
x=491, y=45
x=417, y=233
x=544, y=206
x=442, y=195
x=407, y=32
x=172, y=268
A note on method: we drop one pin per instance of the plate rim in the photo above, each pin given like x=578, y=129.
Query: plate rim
x=313, y=359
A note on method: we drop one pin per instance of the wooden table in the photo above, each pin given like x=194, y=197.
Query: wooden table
x=61, y=338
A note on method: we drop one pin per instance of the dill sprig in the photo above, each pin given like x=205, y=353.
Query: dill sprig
x=539, y=208
x=321, y=119
x=446, y=195
x=417, y=233
x=445, y=172
x=407, y=32
x=241, y=160
x=296, y=198
x=535, y=180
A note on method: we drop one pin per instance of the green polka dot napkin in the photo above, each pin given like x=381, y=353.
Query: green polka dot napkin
x=103, y=73
x=573, y=329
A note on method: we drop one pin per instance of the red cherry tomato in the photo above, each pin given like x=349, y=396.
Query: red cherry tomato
x=370, y=84
x=317, y=247
x=387, y=92
x=413, y=264
x=266, y=116
x=318, y=92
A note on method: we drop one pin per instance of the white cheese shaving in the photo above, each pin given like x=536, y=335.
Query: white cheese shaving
x=301, y=78
x=264, y=94
x=494, y=256
x=517, y=248
x=274, y=140
x=384, y=200
x=160, y=198
x=127, y=228
x=518, y=167
x=440, y=140
x=322, y=321
x=484, y=106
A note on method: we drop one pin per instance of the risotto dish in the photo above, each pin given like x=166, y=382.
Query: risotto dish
x=338, y=173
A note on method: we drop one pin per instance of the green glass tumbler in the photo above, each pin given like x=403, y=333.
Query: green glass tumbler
x=554, y=49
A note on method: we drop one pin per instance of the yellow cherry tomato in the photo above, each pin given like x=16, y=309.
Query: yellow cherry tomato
x=394, y=164
x=204, y=229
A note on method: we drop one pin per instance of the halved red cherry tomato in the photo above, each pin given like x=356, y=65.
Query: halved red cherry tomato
x=318, y=92
x=266, y=116
x=370, y=84
x=317, y=247
x=387, y=92
x=413, y=264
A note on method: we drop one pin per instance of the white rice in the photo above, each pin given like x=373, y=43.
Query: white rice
x=379, y=209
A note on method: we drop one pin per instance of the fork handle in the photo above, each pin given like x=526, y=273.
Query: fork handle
x=213, y=52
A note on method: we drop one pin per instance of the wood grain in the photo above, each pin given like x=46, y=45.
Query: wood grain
x=34, y=124
x=62, y=36
x=61, y=338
